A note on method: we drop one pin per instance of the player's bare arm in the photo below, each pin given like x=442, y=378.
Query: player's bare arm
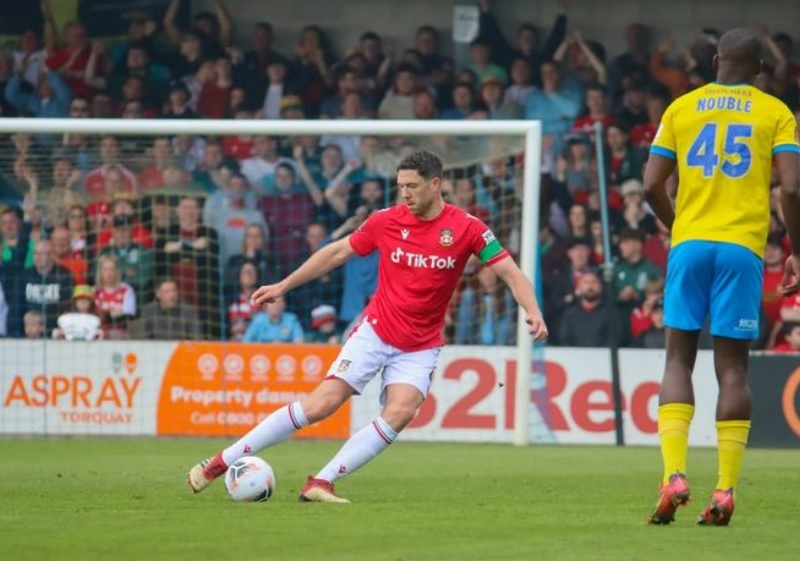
x=522, y=290
x=788, y=166
x=656, y=174
x=323, y=261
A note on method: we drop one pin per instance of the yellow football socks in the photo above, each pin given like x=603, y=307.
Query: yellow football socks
x=673, y=431
x=731, y=441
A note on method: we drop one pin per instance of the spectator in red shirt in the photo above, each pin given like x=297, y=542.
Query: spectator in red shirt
x=110, y=156
x=642, y=317
x=771, y=295
x=69, y=60
x=656, y=248
x=152, y=176
x=214, y=97
x=596, y=111
x=241, y=309
x=643, y=134
x=791, y=344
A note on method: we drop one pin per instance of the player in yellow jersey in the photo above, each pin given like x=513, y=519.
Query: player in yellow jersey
x=723, y=138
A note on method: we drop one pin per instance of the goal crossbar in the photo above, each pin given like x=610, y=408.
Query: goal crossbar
x=531, y=131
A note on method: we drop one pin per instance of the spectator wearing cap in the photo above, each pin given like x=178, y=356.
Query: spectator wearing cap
x=771, y=295
x=635, y=215
x=491, y=94
x=632, y=270
x=585, y=323
x=233, y=216
x=135, y=261
x=292, y=107
x=562, y=291
x=81, y=323
x=167, y=318
x=276, y=325
x=324, y=324
x=399, y=100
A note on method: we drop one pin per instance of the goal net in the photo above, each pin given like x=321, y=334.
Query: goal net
x=130, y=250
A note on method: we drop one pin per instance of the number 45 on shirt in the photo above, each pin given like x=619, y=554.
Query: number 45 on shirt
x=736, y=151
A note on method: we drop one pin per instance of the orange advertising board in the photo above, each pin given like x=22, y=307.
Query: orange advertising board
x=212, y=389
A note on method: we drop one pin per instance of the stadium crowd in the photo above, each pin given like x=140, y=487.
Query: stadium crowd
x=166, y=238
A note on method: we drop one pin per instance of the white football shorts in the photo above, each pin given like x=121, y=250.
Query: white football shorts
x=364, y=354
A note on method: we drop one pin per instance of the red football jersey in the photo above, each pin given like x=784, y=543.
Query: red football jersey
x=420, y=265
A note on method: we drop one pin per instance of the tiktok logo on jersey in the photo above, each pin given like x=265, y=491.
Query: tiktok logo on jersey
x=419, y=261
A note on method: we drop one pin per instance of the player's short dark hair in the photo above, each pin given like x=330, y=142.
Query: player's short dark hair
x=425, y=163
x=369, y=36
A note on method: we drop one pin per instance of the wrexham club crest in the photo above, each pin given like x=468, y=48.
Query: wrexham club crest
x=446, y=238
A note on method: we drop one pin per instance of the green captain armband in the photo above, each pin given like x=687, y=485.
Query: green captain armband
x=491, y=250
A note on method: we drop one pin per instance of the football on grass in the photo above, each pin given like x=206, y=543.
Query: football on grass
x=250, y=479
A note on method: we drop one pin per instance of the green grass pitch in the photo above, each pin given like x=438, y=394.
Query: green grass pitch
x=125, y=499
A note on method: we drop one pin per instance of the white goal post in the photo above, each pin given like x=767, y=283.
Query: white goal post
x=530, y=130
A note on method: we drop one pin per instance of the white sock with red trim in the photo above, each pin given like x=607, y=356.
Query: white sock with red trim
x=360, y=449
x=273, y=430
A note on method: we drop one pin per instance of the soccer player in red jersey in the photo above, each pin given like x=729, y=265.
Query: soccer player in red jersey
x=424, y=245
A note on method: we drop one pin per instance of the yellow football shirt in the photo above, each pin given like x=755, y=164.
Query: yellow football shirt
x=723, y=139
